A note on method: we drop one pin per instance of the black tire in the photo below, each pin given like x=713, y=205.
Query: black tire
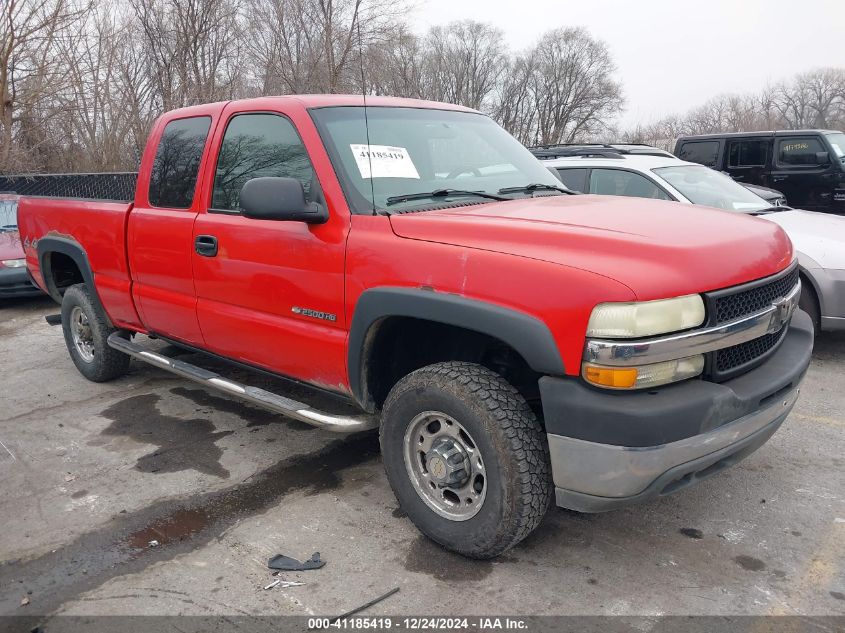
x=809, y=303
x=106, y=363
x=512, y=443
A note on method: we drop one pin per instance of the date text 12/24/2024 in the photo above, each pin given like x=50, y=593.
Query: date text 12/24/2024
x=419, y=623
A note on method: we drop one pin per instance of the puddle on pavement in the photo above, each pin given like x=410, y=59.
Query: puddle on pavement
x=183, y=444
x=180, y=525
x=426, y=557
x=693, y=533
x=122, y=546
x=749, y=563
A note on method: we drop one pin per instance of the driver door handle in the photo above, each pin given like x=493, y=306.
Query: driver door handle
x=205, y=245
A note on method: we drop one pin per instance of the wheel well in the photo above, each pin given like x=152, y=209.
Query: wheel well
x=396, y=346
x=61, y=273
x=807, y=285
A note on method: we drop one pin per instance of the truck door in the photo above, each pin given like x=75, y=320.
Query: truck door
x=269, y=293
x=801, y=171
x=748, y=160
x=160, y=230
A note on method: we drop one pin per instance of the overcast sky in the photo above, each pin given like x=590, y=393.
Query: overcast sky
x=674, y=54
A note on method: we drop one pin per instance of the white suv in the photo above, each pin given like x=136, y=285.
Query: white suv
x=647, y=172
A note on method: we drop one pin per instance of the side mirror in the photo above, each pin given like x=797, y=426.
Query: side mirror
x=822, y=158
x=273, y=198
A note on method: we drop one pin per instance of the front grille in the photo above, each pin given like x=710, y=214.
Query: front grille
x=732, y=306
x=724, y=306
x=738, y=356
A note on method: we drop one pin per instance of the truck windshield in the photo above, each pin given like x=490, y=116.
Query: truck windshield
x=837, y=142
x=408, y=151
x=702, y=185
x=8, y=213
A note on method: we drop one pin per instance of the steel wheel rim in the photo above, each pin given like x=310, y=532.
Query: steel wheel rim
x=80, y=333
x=425, y=438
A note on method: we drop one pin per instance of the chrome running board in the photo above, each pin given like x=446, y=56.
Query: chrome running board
x=255, y=395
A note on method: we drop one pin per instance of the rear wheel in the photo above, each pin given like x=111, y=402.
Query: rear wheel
x=86, y=331
x=466, y=457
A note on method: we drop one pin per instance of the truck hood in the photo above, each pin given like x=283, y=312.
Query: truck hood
x=658, y=249
x=820, y=236
x=10, y=246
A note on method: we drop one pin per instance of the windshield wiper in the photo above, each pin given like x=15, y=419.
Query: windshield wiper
x=441, y=193
x=534, y=186
x=769, y=210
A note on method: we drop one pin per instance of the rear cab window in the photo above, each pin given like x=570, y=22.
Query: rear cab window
x=800, y=151
x=701, y=152
x=177, y=161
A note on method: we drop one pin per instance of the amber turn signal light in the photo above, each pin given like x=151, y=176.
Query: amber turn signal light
x=619, y=378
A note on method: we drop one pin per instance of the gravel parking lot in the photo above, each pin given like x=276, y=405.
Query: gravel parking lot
x=92, y=474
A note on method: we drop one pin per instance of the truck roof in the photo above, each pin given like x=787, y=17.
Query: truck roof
x=326, y=101
x=756, y=134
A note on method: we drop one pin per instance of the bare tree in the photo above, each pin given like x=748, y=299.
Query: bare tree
x=815, y=99
x=298, y=46
x=396, y=65
x=573, y=91
x=464, y=62
x=31, y=72
x=193, y=48
x=514, y=103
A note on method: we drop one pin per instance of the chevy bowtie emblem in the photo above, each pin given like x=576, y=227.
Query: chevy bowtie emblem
x=783, y=310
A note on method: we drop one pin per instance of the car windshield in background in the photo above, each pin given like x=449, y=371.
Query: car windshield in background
x=702, y=185
x=409, y=151
x=837, y=142
x=8, y=214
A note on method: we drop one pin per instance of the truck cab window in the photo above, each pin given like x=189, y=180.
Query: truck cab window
x=747, y=154
x=799, y=152
x=701, y=152
x=177, y=162
x=254, y=146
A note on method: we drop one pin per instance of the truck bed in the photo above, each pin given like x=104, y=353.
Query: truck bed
x=100, y=228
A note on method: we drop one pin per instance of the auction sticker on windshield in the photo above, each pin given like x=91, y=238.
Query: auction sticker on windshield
x=383, y=161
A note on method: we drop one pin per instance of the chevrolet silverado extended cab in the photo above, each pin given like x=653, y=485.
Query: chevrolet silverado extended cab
x=514, y=343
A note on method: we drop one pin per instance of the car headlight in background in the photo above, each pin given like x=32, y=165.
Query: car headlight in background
x=13, y=263
x=645, y=318
x=643, y=376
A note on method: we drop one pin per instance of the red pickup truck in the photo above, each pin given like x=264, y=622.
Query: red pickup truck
x=513, y=343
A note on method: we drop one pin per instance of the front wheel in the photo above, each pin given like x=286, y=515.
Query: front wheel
x=86, y=331
x=466, y=458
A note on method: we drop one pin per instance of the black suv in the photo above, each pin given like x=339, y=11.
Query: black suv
x=808, y=166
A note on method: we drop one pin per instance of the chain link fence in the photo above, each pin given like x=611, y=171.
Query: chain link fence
x=112, y=186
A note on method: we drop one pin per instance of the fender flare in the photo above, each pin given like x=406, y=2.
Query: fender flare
x=526, y=334
x=54, y=244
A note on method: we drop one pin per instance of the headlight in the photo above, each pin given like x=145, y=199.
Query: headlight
x=13, y=263
x=643, y=375
x=645, y=318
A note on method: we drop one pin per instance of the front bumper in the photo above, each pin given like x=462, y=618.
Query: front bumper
x=611, y=449
x=15, y=282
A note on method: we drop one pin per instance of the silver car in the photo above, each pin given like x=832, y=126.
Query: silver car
x=819, y=238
